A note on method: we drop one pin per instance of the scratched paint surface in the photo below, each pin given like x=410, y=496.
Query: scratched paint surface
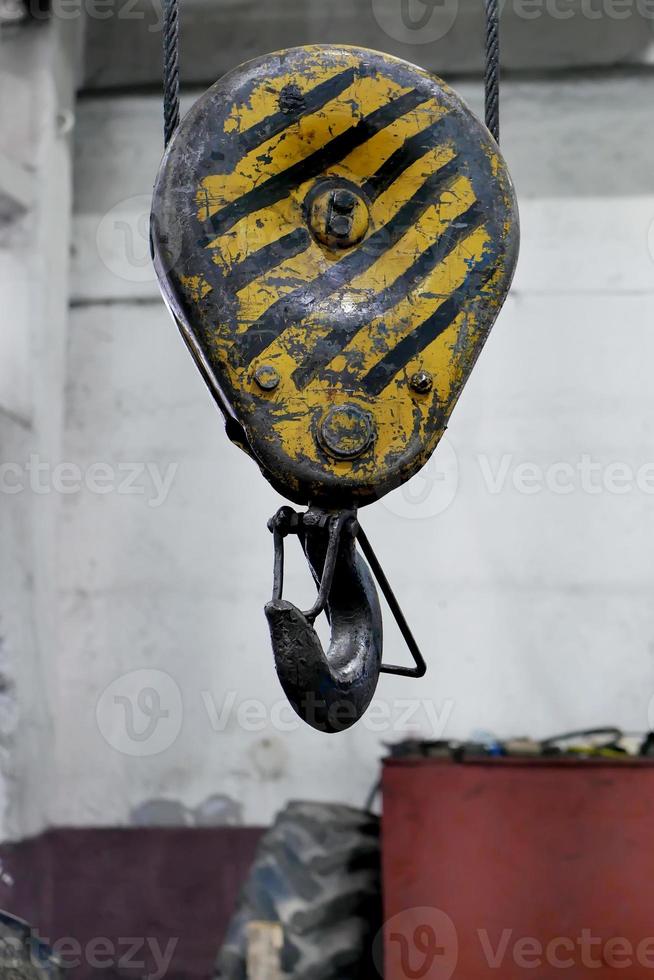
x=246, y=272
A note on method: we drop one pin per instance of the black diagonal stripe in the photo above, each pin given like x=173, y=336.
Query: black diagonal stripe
x=414, y=343
x=410, y=151
x=327, y=347
x=295, y=306
x=267, y=258
x=280, y=185
x=310, y=102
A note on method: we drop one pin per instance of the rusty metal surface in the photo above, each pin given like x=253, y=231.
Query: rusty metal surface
x=335, y=234
x=514, y=869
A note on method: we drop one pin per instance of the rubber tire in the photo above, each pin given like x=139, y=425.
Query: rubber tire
x=23, y=956
x=317, y=872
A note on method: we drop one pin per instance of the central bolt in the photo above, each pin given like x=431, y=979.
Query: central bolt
x=346, y=431
x=338, y=216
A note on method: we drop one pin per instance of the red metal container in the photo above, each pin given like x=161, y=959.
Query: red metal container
x=518, y=869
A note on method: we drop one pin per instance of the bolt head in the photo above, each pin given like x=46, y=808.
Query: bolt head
x=266, y=377
x=338, y=216
x=421, y=382
x=346, y=431
x=343, y=200
x=340, y=225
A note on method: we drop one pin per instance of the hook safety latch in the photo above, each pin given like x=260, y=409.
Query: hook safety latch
x=330, y=690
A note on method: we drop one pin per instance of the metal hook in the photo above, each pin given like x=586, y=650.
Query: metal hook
x=331, y=690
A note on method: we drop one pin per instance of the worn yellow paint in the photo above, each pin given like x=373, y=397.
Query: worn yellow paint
x=262, y=292
x=397, y=417
x=264, y=100
x=197, y=287
x=429, y=226
x=255, y=298
x=259, y=296
x=379, y=148
x=266, y=225
x=395, y=414
x=379, y=336
x=319, y=215
x=389, y=203
x=401, y=416
x=298, y=141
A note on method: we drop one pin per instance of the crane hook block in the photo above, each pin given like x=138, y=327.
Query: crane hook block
x=335, y=233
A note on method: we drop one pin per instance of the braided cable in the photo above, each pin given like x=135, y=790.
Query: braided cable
x=492, y=73
x=171, y=67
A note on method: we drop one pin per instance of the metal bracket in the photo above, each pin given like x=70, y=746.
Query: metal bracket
x=287, y=521
x=420, y=668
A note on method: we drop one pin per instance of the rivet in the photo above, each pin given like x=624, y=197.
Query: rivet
x=421, y=382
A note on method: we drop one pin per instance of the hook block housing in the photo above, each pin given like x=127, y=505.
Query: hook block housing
x=335, y=221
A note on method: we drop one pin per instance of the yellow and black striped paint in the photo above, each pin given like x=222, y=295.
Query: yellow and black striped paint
x=291, y=321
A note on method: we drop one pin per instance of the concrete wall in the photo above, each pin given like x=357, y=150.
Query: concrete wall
x=136, y=679
x=124, y=36
x=522, y=555
x=37, y=84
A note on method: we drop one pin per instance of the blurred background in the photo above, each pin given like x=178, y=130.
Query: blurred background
x=137, y=685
